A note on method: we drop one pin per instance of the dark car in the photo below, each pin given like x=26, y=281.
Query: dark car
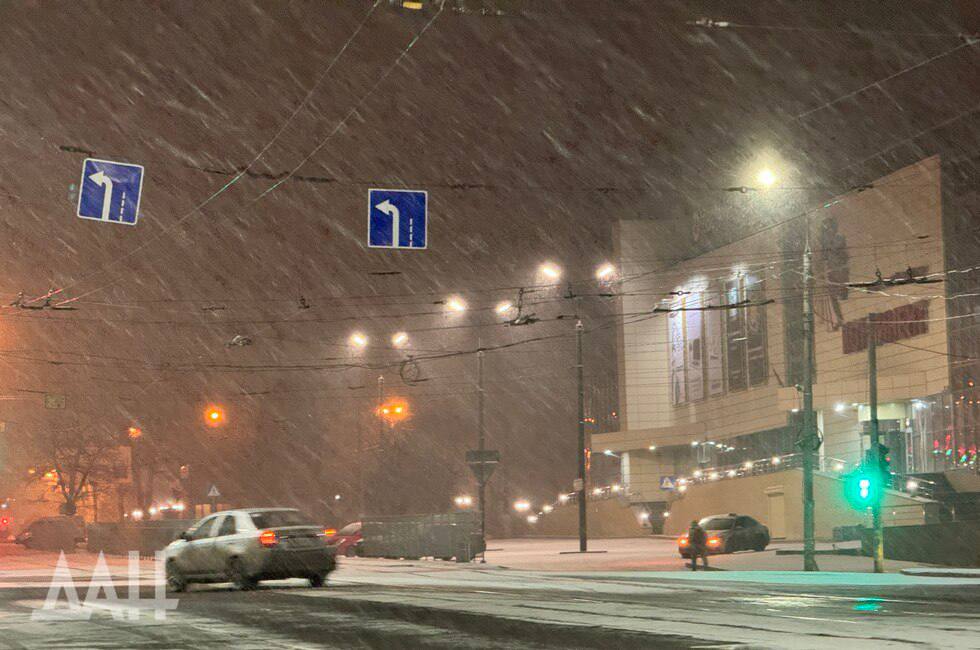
x=246, y=546
x=56, y=533
x=347, y=540
x=729, y=533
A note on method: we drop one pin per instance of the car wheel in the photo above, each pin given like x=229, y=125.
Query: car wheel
x=350, y=551
x=761, y=546
x=316, y=580
x=236, y=574
x=176, y=581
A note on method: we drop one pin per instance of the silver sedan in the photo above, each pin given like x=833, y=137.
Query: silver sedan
x=245, y=546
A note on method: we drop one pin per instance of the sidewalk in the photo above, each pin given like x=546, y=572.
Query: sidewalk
x=941, y=572
x=660, y=555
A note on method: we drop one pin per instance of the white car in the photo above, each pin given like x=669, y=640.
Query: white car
x=246, y=546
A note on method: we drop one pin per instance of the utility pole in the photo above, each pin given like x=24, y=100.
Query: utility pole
x=481, y=446
x=381, y=401
x=583, y=540
x=877, y=542
x=808, y=440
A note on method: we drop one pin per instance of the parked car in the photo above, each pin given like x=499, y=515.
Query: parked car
x=58, y=533
x=246, y=546
x=729, y=533
x=348, y=540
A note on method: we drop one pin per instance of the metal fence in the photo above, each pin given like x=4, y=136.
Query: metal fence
x=446, y=536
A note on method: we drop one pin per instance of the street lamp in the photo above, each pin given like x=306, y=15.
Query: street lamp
x=399, y=339
x=134, y=433
x=503, y=307
x=455, y=303
x=605, y=272
x=766, y=178
x=214, y=416
x=357, y=340
x=463, y=501
x=522, y=505
x=550, y=271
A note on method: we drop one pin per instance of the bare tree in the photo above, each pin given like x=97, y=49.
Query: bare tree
x=78, y=458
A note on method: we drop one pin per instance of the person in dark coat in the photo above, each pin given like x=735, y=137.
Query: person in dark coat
x=698, y=544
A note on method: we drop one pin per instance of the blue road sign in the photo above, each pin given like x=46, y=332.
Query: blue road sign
x=668, y=482
x=397, y=218
x=110, y=191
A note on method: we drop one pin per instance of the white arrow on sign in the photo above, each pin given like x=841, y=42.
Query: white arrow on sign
x=392, y=211
x=100, y=178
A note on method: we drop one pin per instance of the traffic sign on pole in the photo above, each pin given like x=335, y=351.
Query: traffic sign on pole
x=668, y=482
x=110, y=191
x=397, y=218
x=483, y=463
x=213, y=492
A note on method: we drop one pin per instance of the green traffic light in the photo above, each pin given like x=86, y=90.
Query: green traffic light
x=862, y=489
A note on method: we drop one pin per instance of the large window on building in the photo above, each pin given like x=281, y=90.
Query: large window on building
x=711, y=351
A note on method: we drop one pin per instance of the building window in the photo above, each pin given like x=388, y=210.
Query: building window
x=711, y=349
x=745, y=333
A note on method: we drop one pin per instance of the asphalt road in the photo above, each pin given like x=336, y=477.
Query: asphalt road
x=423, y=604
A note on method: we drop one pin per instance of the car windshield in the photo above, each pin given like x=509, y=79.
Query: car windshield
x=717, y=523
x=279, y=518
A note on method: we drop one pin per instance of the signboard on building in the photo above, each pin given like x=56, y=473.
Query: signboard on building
x=896, y=324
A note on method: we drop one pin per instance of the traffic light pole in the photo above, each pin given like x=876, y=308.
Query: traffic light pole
x=583, y=540
x=481, y=445
x=808, y=440
x=877, y=541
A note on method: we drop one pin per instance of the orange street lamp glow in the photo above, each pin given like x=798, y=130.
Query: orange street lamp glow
x=214, y=416
x=394, y=411
x=134, y=433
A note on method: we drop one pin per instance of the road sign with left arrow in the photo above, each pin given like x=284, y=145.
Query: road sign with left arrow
x=110, y=191
x=397, y=218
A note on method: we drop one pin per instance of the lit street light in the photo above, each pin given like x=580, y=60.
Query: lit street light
x=456, y=304
x=463, y=501
x=400, y=339
x=357, y=340
x=605, y=272
x=550, y=271
x=214, y=416
x=522, y=505
x=766, y=178
x=504, y=307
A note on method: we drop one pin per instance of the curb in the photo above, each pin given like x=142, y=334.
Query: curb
x=933, y=572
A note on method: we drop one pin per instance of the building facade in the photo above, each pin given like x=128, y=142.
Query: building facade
x=710, y=349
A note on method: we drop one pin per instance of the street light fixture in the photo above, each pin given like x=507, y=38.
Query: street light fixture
x=214, y=416
x=550, y=271
x=399, y=339
x=522, y=505
x=766, y=178
x=456, y=304
x=605, y=272
x=504, y=307
x=358, y=340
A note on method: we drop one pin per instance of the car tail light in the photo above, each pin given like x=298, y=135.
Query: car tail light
x=329, y=532
x=682, y=541
x=268, y=538
x=714, y=541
